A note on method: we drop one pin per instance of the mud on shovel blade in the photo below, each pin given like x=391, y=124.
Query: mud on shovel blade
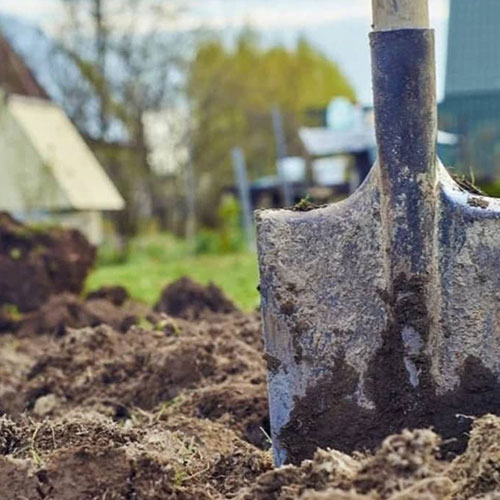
x=382, y=312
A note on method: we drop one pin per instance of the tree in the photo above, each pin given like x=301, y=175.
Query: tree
x=116, y=65
x=232, y=93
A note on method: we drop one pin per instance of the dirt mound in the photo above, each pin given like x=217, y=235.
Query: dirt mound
x=189, y=300
x=7, y=319
x=117, y=295
x=99, y=367
x=477, y=471
x=241, y=406
x=68, y=311
x=35, y=264
x=404, y=468
x=89, y=456
x=113, y=372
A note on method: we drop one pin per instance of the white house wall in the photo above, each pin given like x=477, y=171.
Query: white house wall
x=62, y=149
x=26, y=184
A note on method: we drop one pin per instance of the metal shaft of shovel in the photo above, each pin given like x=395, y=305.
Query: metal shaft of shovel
x=404, y=85
x=382, y=312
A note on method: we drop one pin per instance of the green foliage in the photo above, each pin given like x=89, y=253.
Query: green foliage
x=156, y=260
x=305, y=205
x=12, y=312
x=228, y=237
x=111, y=81
x=206, y=242
x=15, y=253
x=109, y=254
x=492, y=189
x=232, y=93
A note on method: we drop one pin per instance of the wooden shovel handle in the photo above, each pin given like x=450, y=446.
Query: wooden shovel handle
x=391, y=15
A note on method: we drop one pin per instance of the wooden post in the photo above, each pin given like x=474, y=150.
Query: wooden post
x=389, y=15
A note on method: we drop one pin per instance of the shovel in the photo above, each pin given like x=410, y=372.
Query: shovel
x=382, y=312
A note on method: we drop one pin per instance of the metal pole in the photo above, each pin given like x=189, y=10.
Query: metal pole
x=240, y=173
x=190, y=186
x=281, y=153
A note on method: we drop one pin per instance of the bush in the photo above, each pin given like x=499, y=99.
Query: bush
x=229, y=237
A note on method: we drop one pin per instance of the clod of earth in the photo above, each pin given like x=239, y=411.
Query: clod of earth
x=189, y=300
x=117, y=295
x=38, y=263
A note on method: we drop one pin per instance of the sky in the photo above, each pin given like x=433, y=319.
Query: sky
x=231, y=13
x=338, y=27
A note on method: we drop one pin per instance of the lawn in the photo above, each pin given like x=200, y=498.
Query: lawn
x=155, y=261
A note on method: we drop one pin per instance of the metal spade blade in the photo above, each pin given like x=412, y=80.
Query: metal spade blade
x=382, y=312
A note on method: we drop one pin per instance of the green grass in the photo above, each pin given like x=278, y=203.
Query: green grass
x=155, y=261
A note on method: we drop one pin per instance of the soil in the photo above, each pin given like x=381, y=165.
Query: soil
x=38, y=263
x=117, y=295
x=189, y=300
x=104, y=398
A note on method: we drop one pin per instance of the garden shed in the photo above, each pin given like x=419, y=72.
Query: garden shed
x=47, y=172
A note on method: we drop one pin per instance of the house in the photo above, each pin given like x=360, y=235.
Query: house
x=337, y=156
x=342, y=152
x=471, y=107
x=47, y=173
x=348, y=139
x=15, y=76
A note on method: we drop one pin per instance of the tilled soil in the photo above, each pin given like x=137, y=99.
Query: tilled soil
x=37, y=263
x=106, y=399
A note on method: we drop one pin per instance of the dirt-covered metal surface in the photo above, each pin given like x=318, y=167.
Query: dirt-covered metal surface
x=381, y=312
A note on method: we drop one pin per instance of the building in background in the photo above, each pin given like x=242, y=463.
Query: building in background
x=47, y=172
x=471, y=108
x=342, y=152
x=15, y=76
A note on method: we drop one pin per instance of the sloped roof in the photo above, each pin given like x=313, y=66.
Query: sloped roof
x=320, y=141
x=473, y=47
x=15, y=75
x=61, y=148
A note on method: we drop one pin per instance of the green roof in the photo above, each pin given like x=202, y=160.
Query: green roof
x=473, y=47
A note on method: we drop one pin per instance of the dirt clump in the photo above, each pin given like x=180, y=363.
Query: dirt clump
x=328, y=469
x=405, y=467
x=401, y=460
x=117, y=295
x=84, y=456
x=477, y=471
x=180, y=362
x=241, y=406
x=38, y=263
x=190, y=300
x=68, y=311
x=9, y=436
x=105, y=368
